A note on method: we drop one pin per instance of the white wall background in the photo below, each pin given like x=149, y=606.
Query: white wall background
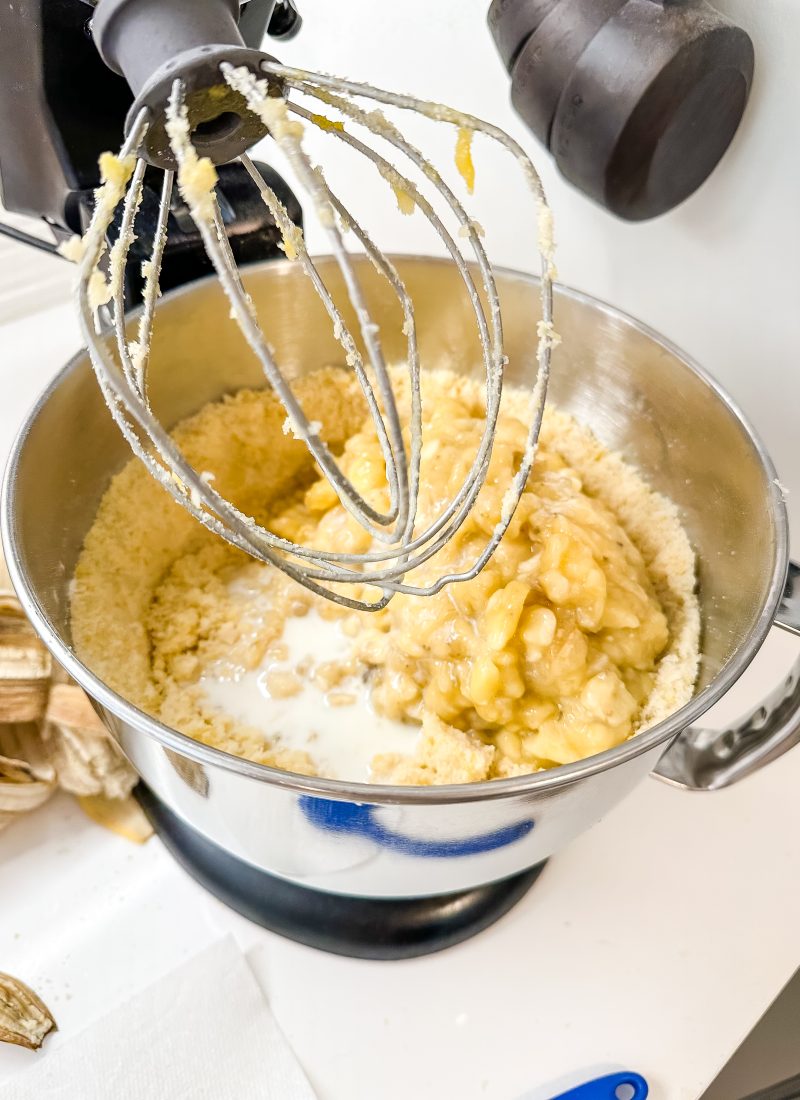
x=720, y=276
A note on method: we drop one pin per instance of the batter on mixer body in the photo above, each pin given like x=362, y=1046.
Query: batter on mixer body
x=582, y=628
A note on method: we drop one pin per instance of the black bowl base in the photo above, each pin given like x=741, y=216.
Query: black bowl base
x=362, y=928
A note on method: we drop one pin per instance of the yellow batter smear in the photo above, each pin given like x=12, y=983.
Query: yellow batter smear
x=546, y=237
x=475, y=226
x=547, y=334
x=197, y=176
x=291, y=240
x=271, y=110
x=98, y=291
x=115, y=172
x=325, y=123
x=406, y=202
x=72, y=249
x=464, y=162
x=581, y=630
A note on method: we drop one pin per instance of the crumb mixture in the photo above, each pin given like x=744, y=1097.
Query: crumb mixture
x=581, y=630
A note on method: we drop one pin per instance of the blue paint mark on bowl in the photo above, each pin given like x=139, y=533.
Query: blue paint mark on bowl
x=360, y=820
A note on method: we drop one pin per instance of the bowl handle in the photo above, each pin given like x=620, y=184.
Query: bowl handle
x=707, y=760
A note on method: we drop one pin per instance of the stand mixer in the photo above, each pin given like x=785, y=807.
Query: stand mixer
x=172, y=125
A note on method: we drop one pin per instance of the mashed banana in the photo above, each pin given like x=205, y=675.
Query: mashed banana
x=581, y=630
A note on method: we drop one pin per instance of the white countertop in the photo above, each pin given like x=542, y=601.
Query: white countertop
x=653, y=943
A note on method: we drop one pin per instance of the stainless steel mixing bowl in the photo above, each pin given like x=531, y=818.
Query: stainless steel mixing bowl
x=641, y=395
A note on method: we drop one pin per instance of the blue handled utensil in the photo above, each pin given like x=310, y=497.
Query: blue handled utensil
x=615, y=1086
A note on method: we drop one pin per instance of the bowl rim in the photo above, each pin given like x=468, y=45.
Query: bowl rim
x=374, y=793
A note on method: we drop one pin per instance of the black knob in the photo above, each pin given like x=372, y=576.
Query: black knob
x=636, y=99
x=512, y=22
x=285, y=21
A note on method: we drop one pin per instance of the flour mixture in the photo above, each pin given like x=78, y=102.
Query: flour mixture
x=581, y=630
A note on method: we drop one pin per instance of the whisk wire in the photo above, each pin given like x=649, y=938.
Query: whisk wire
x=397, y=547
x=491, y=350
x=151, y=290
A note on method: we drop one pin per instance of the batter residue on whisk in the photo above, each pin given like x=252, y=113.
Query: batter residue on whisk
x=582, y=628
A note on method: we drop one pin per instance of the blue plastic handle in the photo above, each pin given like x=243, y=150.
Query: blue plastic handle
x=609, y=1088
x=359, y=820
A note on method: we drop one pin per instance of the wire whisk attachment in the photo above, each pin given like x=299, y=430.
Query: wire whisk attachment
x=287, y=101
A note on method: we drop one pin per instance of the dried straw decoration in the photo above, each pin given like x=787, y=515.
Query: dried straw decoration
x=50, y=739
x=25, y=1019
x=50, y=736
